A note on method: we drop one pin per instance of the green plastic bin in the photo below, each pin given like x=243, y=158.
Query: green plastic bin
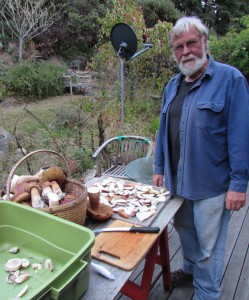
x=40, y=236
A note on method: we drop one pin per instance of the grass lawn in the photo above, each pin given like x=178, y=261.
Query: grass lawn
x=72, y=126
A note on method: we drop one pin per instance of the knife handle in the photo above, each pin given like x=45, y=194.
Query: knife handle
x=146, y=229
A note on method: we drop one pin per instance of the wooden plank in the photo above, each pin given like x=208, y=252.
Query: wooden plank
x=235, y=264
x=242, y=291
x=234, y=228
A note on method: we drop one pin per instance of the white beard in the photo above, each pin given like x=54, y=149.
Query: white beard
x=189, y=69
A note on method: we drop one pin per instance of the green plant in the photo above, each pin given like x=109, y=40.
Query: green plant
x=34, y=80
x=154, y=125
x=83, y=159
x=65, y=118
x=233, y=48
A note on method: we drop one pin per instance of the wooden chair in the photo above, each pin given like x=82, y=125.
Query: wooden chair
x=114, y=154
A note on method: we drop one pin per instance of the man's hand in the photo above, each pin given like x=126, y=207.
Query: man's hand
x=235, y=200
x=158, y=180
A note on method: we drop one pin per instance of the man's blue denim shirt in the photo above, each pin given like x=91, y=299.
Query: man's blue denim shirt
x=214, y=135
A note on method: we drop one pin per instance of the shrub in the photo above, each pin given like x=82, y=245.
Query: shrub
x=233, y=48
x=34, y=80
x=83, y=159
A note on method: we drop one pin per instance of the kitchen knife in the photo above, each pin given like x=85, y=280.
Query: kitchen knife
x=133, y=229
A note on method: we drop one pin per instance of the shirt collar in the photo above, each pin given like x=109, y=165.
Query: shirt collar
x=210, y=68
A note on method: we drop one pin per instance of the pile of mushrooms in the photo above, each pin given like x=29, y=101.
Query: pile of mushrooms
x=44, y=189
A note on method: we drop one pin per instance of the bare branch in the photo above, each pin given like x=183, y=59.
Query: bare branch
x=27, y=19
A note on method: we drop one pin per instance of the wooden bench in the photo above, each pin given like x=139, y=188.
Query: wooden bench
x=114, y=154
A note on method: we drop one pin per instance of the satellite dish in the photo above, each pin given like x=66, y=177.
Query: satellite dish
x=124, y=41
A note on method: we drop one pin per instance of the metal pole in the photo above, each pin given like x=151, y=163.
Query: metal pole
x=122, y=87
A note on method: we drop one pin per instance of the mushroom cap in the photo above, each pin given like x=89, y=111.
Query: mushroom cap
x=53, y=173
x=104, y=213
x=32, y=185
x=20, y=188
x=25, y=196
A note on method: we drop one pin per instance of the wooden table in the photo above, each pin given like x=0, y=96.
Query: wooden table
x=101, y=288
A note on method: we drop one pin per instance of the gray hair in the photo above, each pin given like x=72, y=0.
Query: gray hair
x=184, y=24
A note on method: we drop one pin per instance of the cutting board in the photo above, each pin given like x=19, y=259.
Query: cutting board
x=122, y=249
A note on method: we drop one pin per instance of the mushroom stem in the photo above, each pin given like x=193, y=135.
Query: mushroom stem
x=94, y=197
x=53, y=199
x=48, y=195
x=35, y=190
x=57, y=190
x=36, y=198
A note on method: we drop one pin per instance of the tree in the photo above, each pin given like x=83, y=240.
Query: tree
x=75, y=34
x=29, y=18
x=217, y=14
x=233, y=47
x=155, y=10
x=226, y=12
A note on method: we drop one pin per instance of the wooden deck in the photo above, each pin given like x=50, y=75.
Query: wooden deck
x=235, y=283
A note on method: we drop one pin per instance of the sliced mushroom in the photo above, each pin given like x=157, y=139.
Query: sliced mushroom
x=13, y=264
x=22, y=277
x=14, y=250
x=48, y=265
x=25, y=263
x=12, y=276
x=36, y=266
x=22, y=292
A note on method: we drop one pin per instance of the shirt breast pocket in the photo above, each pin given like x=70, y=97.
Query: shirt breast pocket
x=208, y=114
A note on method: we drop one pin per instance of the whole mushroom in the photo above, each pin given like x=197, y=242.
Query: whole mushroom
x=57, y=190
x=48, y=195
x=35, y=190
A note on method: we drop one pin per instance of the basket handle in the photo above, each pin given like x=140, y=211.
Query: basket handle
x=68, y=173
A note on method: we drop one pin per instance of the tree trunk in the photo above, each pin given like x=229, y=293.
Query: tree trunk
x=20, y=50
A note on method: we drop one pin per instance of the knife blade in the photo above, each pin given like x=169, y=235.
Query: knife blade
x=134, y=229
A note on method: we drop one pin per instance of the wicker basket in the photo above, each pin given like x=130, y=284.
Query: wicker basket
x=74, y=211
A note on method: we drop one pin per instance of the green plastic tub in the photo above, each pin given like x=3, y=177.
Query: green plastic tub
x=40, y=236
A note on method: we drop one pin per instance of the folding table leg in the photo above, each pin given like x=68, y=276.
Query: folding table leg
x=141, y=292
x=163, y=259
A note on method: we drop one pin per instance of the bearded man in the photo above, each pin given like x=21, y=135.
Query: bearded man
x=201, y=154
